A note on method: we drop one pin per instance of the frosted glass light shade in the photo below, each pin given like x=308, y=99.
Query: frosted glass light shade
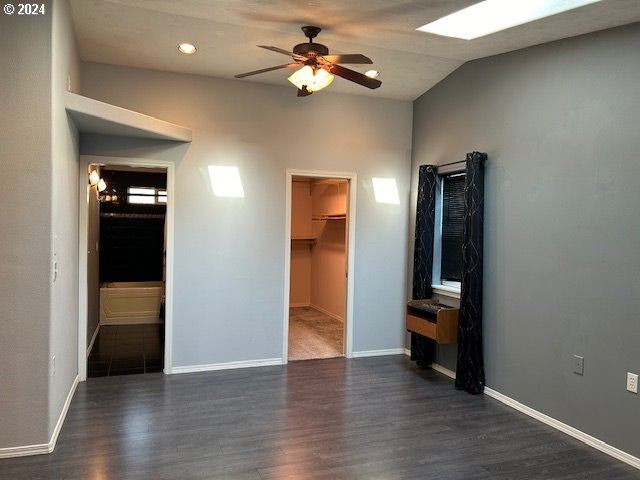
x=314, y=81
x=94, y=178
x=102, y=186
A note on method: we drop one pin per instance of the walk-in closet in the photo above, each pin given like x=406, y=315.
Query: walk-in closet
x=318, y=267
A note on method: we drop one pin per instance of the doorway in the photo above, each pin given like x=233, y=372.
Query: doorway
x=130, y=225
x=320, y=217
x=125, y=268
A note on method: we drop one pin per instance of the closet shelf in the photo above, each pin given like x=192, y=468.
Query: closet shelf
x=304, y=239
x=329, y=216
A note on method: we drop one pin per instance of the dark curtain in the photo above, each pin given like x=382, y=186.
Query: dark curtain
x=470, y=365
x=422, y=348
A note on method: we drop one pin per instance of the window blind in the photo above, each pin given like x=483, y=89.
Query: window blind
x=452, y=227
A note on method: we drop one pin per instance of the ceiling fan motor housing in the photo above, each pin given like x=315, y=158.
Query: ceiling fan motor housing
x=310, y=49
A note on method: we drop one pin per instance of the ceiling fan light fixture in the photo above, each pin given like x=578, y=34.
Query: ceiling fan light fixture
x=187, y=48
x=372, y=73
x=314, y=81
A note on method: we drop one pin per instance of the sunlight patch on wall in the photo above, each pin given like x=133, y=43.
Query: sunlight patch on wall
x=385, y=190
x=225, y=181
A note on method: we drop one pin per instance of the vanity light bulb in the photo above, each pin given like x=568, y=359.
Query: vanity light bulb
x=94, y=178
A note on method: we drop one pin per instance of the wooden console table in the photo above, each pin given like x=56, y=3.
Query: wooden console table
x=441, y=324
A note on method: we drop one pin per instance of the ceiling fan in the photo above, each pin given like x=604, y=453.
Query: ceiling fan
x=318, y=67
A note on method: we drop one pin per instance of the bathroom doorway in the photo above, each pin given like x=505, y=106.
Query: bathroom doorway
x=319, y=225
x=128, y=328
x=127, y=225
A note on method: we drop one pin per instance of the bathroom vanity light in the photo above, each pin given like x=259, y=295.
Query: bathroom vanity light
x=94, y=178
x=96, y=181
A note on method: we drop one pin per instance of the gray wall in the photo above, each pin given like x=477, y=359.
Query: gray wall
x=63, y=327
x=229, y=253
x=25, y=220
x=562, y=268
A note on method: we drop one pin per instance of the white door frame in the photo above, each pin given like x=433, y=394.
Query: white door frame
x=83, y=210
x=351, y=243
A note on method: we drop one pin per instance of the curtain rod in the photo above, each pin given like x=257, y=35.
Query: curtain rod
x=451, y=163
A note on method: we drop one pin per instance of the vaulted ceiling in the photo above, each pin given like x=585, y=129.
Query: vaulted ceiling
x=145, y=33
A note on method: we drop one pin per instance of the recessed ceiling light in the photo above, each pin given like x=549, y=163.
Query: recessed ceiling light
x=492, y=16
x=187, y=48
x=372, y=73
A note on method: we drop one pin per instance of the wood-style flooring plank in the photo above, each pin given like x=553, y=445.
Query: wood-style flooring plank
x=369, y=418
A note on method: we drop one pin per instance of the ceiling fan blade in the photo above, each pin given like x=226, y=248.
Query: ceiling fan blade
x=354, y=76
x=348, y=58
x=284, y=52
x=263, y=70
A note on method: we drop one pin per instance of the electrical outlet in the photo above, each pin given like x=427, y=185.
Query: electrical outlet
x=632, y=382
x=578, y=364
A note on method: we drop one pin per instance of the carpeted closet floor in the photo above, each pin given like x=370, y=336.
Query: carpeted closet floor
x=313, y=334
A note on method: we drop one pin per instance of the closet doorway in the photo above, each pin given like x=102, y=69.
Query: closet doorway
x=319, y=225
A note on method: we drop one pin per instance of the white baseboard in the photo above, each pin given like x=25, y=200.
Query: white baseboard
x=150, y=320
x=266, y=362
x=552, y=422
x=93, y=339
x=378, y=353
x=25, y=451
x=327, y=312
x=63, y=413
x=444, y=370
x=43, y=448
x=564, y=428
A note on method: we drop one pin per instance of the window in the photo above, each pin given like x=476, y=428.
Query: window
x=146, y=195
x=452, y=227
x=447, y=258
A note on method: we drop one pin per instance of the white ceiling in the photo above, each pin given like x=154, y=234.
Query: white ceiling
x=145, y=33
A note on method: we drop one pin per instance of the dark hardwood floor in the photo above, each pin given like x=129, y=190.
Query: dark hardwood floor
x=369, y=418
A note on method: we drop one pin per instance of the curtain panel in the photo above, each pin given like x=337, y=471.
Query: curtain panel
x=422, y=348
x=470, y=363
